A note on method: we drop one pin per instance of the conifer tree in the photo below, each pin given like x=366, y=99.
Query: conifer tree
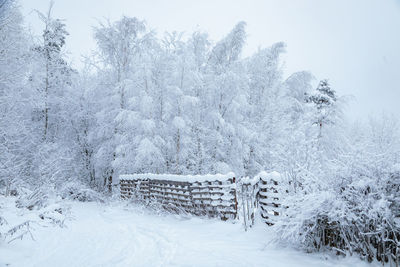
x=324, y=100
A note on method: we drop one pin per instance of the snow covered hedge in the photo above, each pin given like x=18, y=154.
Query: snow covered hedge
x=359, y=216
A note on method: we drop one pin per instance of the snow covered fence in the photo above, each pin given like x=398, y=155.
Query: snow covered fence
x=210, y=195
x=270, y=196
x=263, y=191
x=249, y=199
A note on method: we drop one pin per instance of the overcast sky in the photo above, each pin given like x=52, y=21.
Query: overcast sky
x=353, y=43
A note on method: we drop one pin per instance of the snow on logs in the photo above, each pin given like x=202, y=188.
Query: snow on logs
x=209, y=195
x=269, y=195
x=263, y=191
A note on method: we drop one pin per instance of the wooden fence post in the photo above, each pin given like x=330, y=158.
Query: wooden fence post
x=191, y=205
x=243, y=207
x=236, y=202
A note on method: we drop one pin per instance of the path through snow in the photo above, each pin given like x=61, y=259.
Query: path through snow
x=114, y=235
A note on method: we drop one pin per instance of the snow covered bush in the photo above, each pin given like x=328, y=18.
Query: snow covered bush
x=352, y=206
x=37, y=199
x=18, y=232
x=24, y=217
x=80, y=192
x=55, y=214
x=354, y=218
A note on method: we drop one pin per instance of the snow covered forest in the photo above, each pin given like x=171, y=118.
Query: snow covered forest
x=180, y=103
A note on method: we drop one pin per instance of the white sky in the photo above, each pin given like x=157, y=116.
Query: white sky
x=353, y=43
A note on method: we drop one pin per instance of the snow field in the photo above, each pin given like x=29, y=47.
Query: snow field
x=120, y=235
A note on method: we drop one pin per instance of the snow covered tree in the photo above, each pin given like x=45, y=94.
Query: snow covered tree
x=266, y=108
x=324, y=99
x=123, y=58
x=226, y=84
x=51, y=73
x=16, y=149
x=119, y=44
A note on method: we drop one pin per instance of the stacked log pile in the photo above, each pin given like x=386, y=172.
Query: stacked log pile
x=208, y=195
x=269, y=196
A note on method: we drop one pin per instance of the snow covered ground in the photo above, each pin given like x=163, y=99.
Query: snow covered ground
x=120, y=235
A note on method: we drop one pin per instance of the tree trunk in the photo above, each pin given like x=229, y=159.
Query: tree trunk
x=46, y=105
x=178, y=150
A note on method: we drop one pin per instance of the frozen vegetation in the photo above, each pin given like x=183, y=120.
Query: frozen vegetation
x=182, y=104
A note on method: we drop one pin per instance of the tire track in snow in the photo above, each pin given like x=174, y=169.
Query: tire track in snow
x=151, y=243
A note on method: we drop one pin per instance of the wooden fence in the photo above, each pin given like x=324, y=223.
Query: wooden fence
x=270, y=196
x=209, y=195
x=249, y=196
x=213, y=196
x=260, y=193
